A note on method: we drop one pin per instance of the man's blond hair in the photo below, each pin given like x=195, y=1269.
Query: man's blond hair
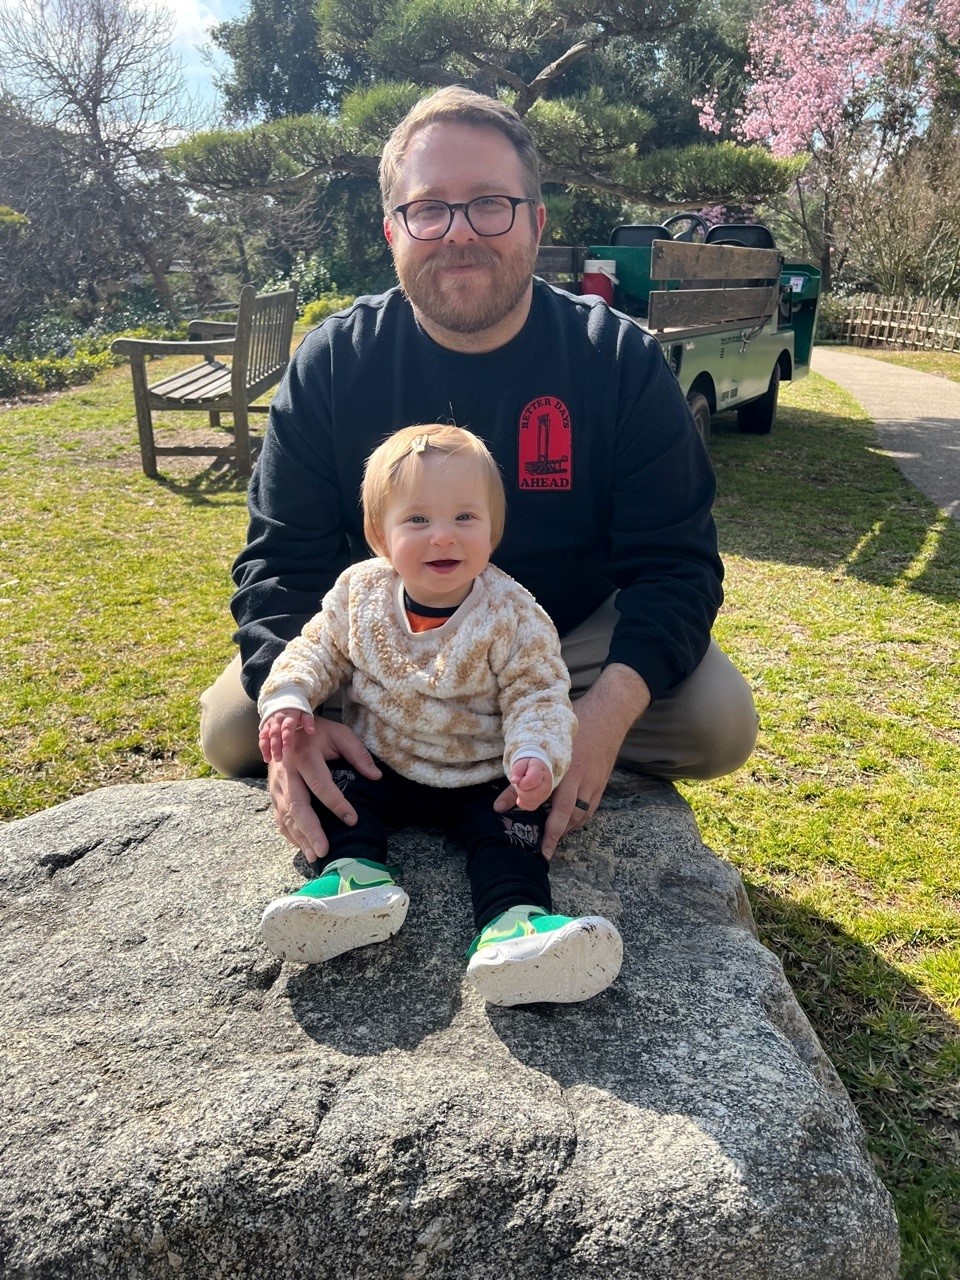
x=396, y=467
x=458, y=105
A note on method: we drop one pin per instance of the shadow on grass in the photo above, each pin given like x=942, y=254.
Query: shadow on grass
x=898, y=1054
x=218, y=477
x=819, y=492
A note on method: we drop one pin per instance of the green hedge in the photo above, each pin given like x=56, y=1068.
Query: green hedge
x=89, y=357
x=325, y=306
x=831, y=315
x=50, y=373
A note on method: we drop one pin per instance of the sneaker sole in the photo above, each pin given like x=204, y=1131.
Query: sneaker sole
x=566, y=966
x=310, y=930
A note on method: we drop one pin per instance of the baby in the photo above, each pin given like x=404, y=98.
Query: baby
x=452, y=677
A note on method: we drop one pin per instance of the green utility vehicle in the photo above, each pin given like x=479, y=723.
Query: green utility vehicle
x=733, y=318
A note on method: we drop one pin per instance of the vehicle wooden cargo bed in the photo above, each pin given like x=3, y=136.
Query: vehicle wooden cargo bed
x=733, y=321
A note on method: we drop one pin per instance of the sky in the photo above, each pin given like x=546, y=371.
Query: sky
x=193, y=19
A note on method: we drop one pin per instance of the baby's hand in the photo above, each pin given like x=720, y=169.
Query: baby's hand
x=532, y=781
x=276, y=735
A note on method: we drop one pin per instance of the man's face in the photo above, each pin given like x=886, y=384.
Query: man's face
x=465, y=283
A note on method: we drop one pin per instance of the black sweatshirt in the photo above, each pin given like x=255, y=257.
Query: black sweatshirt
x=608, y=484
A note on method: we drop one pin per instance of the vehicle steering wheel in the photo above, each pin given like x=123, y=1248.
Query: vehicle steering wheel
x=695, y=221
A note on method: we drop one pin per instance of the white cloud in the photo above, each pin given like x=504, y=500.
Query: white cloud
x=193, y=20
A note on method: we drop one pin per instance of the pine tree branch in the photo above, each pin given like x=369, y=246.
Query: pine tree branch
x=529, y=93
x=515, y=82
x=358, y=166
x=433, y=73
x=586, y=180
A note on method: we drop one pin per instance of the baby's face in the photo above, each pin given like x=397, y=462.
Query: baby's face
x=438, y=536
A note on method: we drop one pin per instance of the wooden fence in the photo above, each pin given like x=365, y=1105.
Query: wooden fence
x=925, y=324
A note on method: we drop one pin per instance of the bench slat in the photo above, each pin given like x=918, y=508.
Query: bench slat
x=191, y=382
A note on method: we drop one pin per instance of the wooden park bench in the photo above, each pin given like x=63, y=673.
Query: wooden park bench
x=259, y=344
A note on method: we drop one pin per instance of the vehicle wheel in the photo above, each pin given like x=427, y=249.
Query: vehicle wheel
x=700, y=408
x=756, y=418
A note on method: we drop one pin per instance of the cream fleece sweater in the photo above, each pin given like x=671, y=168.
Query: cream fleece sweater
x=448, y=707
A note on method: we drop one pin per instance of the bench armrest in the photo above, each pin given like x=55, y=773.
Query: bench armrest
x=149, y=347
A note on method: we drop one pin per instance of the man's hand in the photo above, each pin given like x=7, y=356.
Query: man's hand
x=604, y=716
x=303, y=770
x=532, y=781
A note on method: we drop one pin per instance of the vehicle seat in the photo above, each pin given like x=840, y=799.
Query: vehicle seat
x=638, y=234
x=747, y=235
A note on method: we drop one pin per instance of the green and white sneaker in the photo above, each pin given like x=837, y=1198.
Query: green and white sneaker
x=526, y=956
x=353, y=904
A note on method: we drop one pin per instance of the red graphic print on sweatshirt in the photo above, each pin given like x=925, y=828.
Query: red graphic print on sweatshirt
x=545, y=445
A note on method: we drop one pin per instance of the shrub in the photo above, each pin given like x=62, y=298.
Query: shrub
x=138, y=307
x=49, y=373
x=312, y=276
x=51, y=334
x=324, y=306
x=89, y=355
x=830, y=317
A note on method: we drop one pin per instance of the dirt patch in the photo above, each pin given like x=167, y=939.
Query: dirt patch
x=24, y=402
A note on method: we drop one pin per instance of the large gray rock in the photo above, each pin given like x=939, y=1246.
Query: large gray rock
x=178, y=1105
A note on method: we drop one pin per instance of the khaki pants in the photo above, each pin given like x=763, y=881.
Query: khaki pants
x=703, y=728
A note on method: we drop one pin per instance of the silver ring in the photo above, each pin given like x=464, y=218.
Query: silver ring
x=582, y=804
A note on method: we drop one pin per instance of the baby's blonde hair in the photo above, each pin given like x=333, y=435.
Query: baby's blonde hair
x=396, y=466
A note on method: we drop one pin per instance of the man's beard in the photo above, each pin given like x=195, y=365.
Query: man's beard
x=468, y=306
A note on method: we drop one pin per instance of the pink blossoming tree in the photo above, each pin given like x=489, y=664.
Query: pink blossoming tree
x=855, y=85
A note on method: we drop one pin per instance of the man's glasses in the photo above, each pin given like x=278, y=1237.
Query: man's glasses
x=487, y=215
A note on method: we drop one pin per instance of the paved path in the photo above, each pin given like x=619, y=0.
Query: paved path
x=917, y=417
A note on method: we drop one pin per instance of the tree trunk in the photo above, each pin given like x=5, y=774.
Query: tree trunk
x=242, y=252
x=160, y=282
x=826, y=245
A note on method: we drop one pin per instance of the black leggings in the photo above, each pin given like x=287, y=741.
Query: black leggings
x=505, y=864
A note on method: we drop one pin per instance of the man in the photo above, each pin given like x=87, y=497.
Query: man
x=609, y=489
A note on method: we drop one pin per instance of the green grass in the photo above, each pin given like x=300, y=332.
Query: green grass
x=944, y=363
x=113, y=598
x=842, y=609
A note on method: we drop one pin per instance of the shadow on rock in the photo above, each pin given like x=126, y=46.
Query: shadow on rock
x=666, y=1056
x=395, y=994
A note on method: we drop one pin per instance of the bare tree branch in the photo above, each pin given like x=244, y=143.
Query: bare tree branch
x=103, y=73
